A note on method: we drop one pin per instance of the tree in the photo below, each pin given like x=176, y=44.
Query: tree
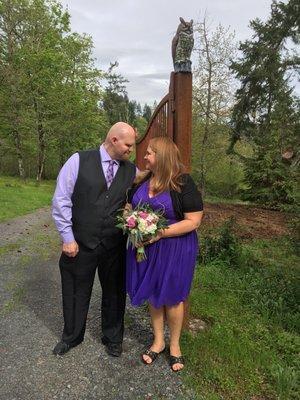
x=116, y=102
x=52, y=86
x=12, y=76
x=213, y=85
x=266, y=111
x=147, y=112
x=77, y=122
x=43, y=61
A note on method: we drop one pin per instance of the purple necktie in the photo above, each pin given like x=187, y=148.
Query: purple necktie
x=110, y=173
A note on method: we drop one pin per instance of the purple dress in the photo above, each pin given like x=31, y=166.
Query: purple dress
x=165, y=277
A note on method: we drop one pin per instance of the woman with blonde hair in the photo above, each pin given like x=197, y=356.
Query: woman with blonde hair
x=164, y=278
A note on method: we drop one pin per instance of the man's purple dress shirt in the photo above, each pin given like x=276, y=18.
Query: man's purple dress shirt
x=61, y=202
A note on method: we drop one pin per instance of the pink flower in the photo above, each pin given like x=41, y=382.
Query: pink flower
x=130, y=222
x=149, y=222
x=152, y=218
x=143, y=214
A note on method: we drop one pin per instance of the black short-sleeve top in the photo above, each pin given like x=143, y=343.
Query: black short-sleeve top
x=188, y=200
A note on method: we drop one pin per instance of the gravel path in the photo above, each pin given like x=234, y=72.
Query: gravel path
x=31, y=322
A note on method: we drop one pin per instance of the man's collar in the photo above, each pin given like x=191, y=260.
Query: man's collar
x=105, y=156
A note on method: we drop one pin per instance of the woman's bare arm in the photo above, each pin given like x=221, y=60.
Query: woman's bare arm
x=190, y=222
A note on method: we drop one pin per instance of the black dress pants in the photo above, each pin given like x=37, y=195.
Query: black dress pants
x=77, y=277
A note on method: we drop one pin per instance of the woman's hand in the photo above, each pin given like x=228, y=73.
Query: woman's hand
x=154, y=239
x=150, y=241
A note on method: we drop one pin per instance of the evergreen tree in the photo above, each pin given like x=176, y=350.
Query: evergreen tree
x=147, y=112
x=116, y=102
x=266, y=110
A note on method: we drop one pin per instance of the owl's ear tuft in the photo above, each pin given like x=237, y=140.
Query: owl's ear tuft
x=182, y=20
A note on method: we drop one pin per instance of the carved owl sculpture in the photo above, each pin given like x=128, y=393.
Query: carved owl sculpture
x=182, y=46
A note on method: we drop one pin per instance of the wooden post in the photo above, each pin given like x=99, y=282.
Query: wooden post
x=171, y=107
x=183, y=116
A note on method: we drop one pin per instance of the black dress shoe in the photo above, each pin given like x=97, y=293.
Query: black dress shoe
x=61, y=348
x=104, y=340
x=113, y=349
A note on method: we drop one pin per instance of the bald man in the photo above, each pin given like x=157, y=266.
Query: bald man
x=91, y=189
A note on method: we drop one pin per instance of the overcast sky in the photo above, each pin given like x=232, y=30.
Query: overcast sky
x=138, y=34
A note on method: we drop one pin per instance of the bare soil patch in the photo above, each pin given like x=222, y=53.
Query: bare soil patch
x=252, y=222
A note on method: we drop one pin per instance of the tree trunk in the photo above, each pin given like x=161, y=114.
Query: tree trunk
x=17, y=140
x=61, y=152
x=41, y=142
x=41, y=152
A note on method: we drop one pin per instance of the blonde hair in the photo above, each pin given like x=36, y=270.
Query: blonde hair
x=168, y=166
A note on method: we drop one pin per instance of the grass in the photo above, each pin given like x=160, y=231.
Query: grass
x=31, y=249
x=15, y=289
x=19, y=197
x=221, y=200
x=8, y=248
x=14, y=303
x=250, y=350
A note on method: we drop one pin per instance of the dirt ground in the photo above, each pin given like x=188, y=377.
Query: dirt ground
x=252, y=222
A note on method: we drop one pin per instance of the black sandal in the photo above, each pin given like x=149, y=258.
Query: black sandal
x=176, y=360
x=152, y=354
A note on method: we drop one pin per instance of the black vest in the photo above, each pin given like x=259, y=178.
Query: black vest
x=94, y=206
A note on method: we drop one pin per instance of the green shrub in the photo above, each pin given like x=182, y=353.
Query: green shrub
x=294, y=234
x=225, y=245
x=269, y=180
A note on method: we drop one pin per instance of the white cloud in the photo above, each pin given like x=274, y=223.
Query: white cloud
x=138, y=34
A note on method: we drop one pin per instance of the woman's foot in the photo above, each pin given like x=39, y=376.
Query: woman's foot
x=176, y=359
x=150, y=355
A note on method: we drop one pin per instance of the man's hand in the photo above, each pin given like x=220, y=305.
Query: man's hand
x=70, y=249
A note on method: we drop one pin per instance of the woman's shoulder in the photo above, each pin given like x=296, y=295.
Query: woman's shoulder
x=190, y=195
x=187, y=182
x=186, y=177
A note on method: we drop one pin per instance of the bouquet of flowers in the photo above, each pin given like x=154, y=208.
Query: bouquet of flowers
x=141, y=224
